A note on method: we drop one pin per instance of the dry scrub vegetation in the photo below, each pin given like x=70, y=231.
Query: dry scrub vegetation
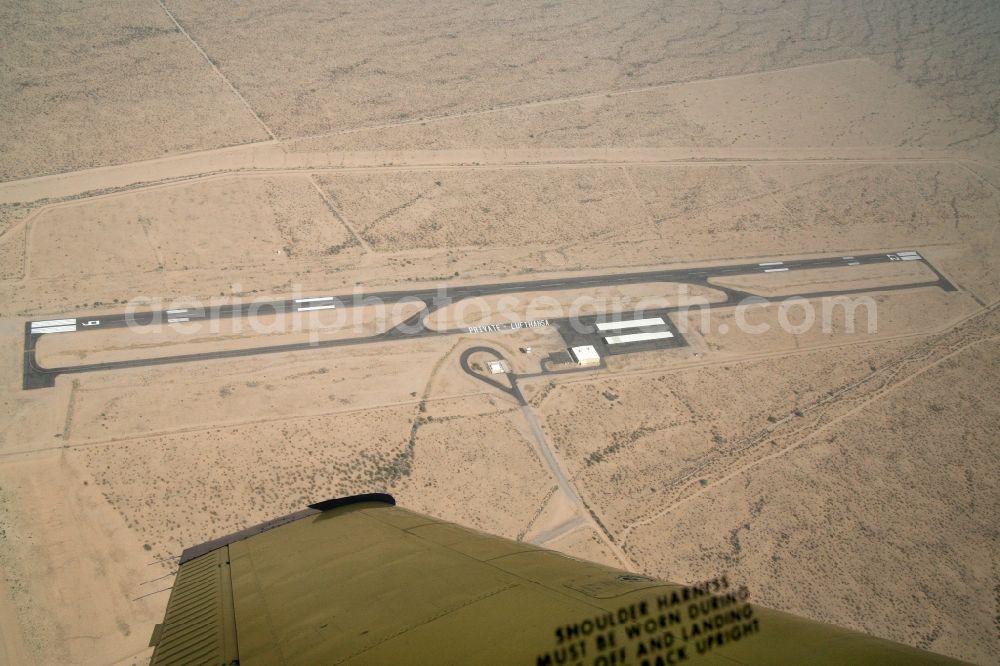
x=176, y=490
x=452, y=57
x=489, y=208
x=635, y=442
x=12, y=239
x=886, y=521
x=767, y=110
x=854, y=484
x=607, y=216
x=232, y=222
x=458, y=457
x=106, y=83
x=892, y=314
x=269, y=387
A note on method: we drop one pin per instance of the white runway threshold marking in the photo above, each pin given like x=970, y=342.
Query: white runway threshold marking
x=774, y=270
x=637, y=337
x=634, y=323
x=177, y=320
x=771, y=263
x=52, y=322
x=177, y=311
x=317, y=307
x=313, y=300
x=53, y=329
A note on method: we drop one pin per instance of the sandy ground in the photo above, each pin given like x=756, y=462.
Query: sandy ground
x=846, y=559
x=174, y=153
x=108, y=83
x=691, y=214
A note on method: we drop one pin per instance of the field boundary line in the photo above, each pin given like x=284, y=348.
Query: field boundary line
x=336, y=213
x=879, y=395
x=218, y=71
x=238, y=424
x=73, y=186
x=608, y=92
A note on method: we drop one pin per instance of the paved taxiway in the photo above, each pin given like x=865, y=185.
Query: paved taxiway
x=36, y=376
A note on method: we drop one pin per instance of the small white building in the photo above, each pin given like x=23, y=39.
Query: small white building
x=497, y=367
x=585, y=355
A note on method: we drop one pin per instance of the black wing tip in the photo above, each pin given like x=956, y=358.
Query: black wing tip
x=326, y=505
x=318, y=507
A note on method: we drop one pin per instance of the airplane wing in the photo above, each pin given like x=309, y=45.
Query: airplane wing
x=359, y=580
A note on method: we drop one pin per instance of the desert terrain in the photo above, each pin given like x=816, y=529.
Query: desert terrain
x=178, y=155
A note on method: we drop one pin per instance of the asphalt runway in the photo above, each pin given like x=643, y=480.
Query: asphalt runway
x=36, y=376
